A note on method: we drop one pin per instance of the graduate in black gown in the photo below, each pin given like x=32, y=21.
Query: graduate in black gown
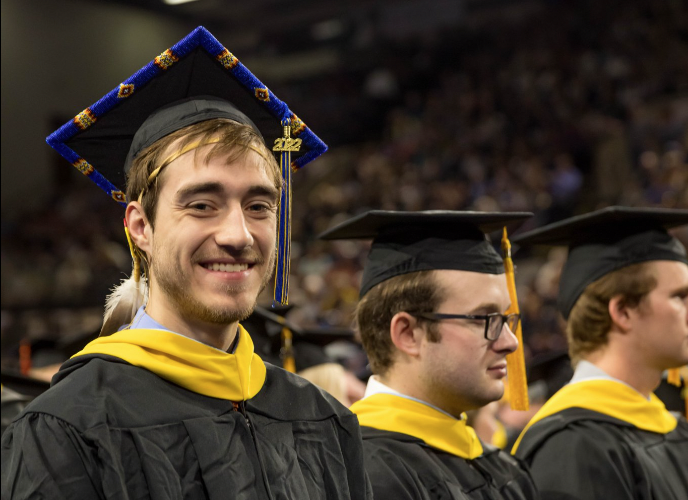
x=624, y=293
x=436, y=320
x=172, y=401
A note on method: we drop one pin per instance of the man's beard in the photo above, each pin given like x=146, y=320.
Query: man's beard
x=174, y=283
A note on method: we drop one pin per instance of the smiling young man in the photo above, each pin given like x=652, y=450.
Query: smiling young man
x=171, y=401
x=434, y=321
x=624, y=293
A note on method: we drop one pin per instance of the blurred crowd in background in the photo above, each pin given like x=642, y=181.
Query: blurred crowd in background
x=570, y=107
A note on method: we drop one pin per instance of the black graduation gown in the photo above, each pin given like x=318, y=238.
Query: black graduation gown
x=11, y=405
x=582, y=454
x=402, y=467
x=108, y=429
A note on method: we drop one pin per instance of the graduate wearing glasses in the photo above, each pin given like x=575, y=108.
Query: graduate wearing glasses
x=437, y=321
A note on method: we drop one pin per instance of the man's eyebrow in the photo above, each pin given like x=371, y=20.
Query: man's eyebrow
x=263, y=190
x=218, y=188
x=487, y=307
x=681, y=291
x=201, y=188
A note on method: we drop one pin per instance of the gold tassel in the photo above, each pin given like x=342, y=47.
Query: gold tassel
x=516, y=366
x=288, y=362
x=674, y=377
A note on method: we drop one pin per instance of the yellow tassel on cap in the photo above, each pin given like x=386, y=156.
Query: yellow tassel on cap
x=674, y=377
x=515, y=362
x=288, y=362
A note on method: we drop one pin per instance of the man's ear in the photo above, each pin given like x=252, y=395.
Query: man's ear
x=139, y=228
x=406, y=333
x=620, y=313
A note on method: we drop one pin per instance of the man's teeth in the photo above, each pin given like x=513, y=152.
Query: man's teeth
x=228, y=268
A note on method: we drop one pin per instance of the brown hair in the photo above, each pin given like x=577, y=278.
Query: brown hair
x=235, y=141
x=413, y=292
x=589, y=322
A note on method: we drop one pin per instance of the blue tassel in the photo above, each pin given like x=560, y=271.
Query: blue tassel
x=281, y=295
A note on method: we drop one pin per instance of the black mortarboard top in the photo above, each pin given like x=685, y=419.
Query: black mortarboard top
x=196, y=79
x=606, y=240
x=406, y=242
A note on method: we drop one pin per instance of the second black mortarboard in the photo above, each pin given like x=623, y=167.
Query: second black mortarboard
x=406, y=242
x=606, y=240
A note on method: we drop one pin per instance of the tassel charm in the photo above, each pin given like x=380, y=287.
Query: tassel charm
x=285, y=146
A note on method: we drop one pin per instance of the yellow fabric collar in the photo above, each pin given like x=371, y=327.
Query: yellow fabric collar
x=188, y=363
x=388, y=412
x=611, y=398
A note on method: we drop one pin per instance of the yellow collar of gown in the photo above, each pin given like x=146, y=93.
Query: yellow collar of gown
x=388, y=412
x=611, y=398
x=188, y=363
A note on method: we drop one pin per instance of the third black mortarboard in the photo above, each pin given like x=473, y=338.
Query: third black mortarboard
x=606, y=240
x=406, y=242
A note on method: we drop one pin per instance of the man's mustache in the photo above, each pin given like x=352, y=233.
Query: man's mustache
x=245, y=256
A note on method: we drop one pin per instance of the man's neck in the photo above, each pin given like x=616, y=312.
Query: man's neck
x=401, y=379
x=632, y=372
x=214, y=335
x=376, y=386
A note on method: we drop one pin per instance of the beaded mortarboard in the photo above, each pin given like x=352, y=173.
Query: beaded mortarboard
x=97, y=140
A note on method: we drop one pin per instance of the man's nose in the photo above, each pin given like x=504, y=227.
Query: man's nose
x=507, y=341
x=234, y=231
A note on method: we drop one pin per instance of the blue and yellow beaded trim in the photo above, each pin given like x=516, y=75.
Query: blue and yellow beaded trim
x=199, y=37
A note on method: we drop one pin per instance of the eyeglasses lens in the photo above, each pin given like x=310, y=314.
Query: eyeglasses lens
x=496, y=325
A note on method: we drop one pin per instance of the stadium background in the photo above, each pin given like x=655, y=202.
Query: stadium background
x=556, y=107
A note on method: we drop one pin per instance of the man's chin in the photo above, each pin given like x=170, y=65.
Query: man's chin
x=228, y=313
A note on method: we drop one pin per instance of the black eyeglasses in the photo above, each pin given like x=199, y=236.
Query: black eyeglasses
x=494, y=322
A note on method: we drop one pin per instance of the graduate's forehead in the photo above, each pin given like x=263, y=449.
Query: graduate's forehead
x=468, y=291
